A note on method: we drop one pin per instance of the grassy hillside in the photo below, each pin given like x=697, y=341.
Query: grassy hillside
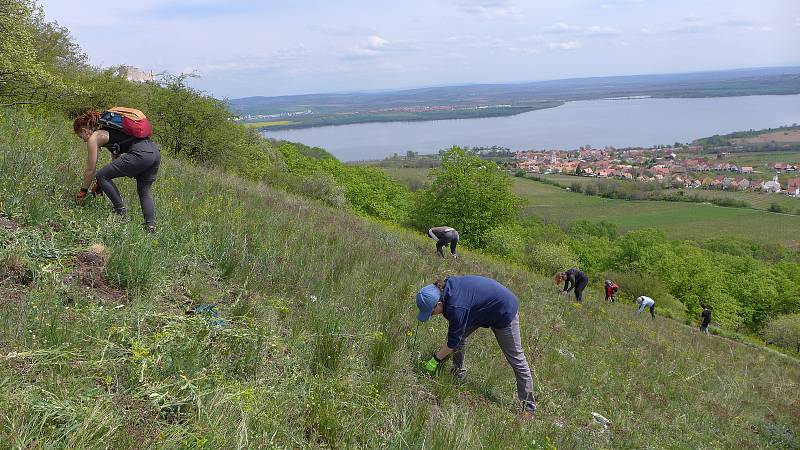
x=316, y=344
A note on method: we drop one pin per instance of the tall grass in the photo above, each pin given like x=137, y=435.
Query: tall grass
x=316, y=345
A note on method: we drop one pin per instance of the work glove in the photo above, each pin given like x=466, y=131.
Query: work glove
x=96, y=189
x=81, y=197
x=432, y=365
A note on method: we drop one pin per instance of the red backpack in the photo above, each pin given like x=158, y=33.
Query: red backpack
x=128, y=120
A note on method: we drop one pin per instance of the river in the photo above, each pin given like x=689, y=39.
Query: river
x=618, y=123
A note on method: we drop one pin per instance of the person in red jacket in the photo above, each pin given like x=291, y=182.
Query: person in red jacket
x=611, y=291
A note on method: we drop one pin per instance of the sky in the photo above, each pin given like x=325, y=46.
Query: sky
x=241, y=48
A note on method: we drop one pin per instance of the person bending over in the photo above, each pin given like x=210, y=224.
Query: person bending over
x=573, y=279
x=444, y=236
x=470, y=302
x=130, y=157
x=646, y=302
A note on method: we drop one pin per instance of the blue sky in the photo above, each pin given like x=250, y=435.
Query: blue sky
x=242, y=48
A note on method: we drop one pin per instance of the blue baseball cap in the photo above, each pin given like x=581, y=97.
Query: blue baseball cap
x=427, y=297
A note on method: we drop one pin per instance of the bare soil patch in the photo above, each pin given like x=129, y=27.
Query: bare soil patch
x=88, y=274
x=11, y=294
x=9, y=224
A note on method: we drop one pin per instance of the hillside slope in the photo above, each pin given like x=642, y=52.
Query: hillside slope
x=314, y=345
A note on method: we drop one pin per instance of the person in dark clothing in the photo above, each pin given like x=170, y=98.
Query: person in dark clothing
x=470, y=302
x=573, y=279
x=611, y=289
x=444, y=236
x=130, y=157
x=706, y=319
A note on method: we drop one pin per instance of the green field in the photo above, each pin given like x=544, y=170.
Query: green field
x=757, y=200
x=679, y=220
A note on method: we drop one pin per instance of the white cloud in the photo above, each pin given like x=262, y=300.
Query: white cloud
x=591, y=31
x=569, y=45
x=289, y=60
x=561, y=27
x=375, y=46
x=491, y=9
x=693, y=24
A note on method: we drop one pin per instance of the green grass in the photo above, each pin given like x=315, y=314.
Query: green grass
x=317, y=349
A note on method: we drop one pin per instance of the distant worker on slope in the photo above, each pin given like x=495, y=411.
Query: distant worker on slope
x=611, y=289
x=470, y=302
x=125, y=133
x=444, y=236
x=573, y=279
x=706, y=319
x=645, y=302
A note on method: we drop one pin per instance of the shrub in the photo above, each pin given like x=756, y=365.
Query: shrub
x=548, y=257
x=784, y=331
x=594, y=228
x=730, y=202
x=777, y=208
x=507, y=241
x=634, y=284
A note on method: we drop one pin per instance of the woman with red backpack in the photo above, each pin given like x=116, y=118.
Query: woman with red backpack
x=125, y=133
x=611, y=291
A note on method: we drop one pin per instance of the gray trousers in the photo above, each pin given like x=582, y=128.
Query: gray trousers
x=141, y=162
x=511, y=344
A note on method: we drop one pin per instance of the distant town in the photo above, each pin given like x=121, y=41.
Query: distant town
x=661, y=165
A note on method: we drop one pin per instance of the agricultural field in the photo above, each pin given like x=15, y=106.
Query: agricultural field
x=757, y=200
x=679, y=220
x=780, y=136
x=760, y=161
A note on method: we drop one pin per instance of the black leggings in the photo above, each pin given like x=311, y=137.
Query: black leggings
x=579, y=287
x=141, y=163
x=449, y=237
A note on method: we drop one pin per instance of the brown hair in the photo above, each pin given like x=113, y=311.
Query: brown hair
x=560, y=277
x=88, y=119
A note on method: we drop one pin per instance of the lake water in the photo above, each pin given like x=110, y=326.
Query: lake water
x=619, y=123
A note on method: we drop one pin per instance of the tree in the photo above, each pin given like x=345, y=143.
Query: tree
x=469, y=194
x=31, y=53
x=186, y=119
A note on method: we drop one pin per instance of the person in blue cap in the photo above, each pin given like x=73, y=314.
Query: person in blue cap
x=470, y=302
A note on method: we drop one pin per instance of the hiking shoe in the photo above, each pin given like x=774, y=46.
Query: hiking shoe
x=122, y=213
x=150, y=229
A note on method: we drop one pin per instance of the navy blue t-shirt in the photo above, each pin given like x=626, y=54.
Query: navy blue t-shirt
x=474, y=300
